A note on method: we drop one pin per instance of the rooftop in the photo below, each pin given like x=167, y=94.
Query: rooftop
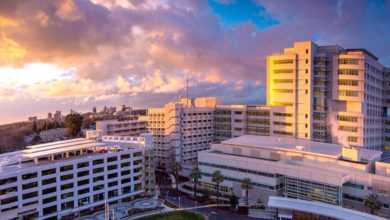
x=61, y=151
x=296, y=145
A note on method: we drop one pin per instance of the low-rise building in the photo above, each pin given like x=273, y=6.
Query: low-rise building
x=300, y=169
x=61, y=179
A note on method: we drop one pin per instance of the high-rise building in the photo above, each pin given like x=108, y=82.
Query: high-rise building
x=328, y=94
x=181, y=129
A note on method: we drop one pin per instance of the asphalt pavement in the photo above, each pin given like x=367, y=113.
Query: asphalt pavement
x=182, y=201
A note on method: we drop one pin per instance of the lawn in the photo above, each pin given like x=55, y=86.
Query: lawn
x=176, y=215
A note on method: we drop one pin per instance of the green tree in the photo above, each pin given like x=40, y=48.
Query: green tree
x=195, y=175
x=372, y=202
x=233, y=200
x=176, y=168
x=35, y=127
x=73, y=123
x=246, y=185
x=217, y=178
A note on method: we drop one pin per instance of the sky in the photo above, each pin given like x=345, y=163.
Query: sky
x=76, y=54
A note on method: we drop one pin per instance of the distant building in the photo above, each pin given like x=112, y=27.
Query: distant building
x=32, y=118
x=53, y=134
x=61, y=179
x=94, y=110
x=57, y=115
x=49, y=116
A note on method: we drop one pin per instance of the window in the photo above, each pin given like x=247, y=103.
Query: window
x=283, y=71
x=96, y=162
x=348, y=93
x=98, y=187
x=66, y=168
x=29, y=185
x=348, y=61
x=352, y=139
x=350, y=72
x=83, y=173
x=112, y=175
x=49, y=210
x=98, y=197
x=67, y=186
x=125, y=156
x=98, y=170
x=67, y=177
x=348, y=128
x=9, y=200
x=307, y=51
x=48, y=172
x=347, y=118
x=29, y=176
x=49, y=190
x=30, y=195
x=280, y=114
x=112, y=167
x=282, y=123
x=344, y=82
x=277, y=81
x=50, y=199
x=84, y=164
x=283, y=61
x=282, y=91
x=111, y=159
x=283, y=133
x=83, y=182
x=83, y=191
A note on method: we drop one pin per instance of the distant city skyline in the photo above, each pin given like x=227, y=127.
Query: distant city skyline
x=62, y=55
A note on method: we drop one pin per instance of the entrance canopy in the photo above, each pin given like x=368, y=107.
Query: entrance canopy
x=333, y=211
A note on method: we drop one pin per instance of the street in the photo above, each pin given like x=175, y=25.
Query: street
x=182, y=201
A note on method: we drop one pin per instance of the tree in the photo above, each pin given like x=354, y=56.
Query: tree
x=233, y=200
x=372, y=202
x=176, y=168
x=195, y=175
x=217, y=178
x=73, y=123
x=246, y=185
x=35, y=127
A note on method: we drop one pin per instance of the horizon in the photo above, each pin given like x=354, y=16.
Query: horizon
x=81, y=54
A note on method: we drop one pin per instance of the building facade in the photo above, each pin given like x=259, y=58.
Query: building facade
x=134, y=127
x=299, y=169
x=61, y=180
x=182, y=129
x=328, y=94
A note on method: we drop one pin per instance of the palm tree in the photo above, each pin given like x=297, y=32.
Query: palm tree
x=195, y=175
x=246, y=185
x=217, y=178
x=372, y=203
x=176, y=168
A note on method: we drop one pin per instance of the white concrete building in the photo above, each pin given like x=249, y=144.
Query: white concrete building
x=61, y=179
x=181, y=129
x=299, y=169
x=328, y=94
x=133, y=127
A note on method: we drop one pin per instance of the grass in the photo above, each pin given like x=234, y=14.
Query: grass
x=176, y=215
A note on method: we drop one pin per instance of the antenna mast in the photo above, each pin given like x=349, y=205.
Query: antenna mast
x=187, y=89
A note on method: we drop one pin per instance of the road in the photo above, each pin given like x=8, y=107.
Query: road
x=182, y=201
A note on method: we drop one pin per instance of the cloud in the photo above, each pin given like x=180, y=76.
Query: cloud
x=133, y=51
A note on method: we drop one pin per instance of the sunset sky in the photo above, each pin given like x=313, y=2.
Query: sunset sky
x=83, y=53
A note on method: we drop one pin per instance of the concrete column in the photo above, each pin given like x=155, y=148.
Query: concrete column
x=36, y=160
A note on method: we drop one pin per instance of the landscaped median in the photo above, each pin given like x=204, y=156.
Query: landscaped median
x=176, y=215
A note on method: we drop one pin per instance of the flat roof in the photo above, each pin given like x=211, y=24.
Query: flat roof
x=62, y=149
x=290, y=144
x=56, y=143
x=324, y=209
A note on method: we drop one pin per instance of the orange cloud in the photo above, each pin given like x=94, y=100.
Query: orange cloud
x=10, y=50
x=68, y=11
x=8, y=22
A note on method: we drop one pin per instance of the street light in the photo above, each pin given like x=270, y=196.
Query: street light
x=179, y=202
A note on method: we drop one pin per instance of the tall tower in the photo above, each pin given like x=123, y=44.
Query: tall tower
x=327, y=94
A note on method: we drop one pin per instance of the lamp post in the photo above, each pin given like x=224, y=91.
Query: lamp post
x=179, y=202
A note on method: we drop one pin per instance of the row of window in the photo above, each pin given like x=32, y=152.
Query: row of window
x=344, y=82
x=283, y=71
x=348, y=93
x=282, y=91
x=283, y=61
x=277, y=81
